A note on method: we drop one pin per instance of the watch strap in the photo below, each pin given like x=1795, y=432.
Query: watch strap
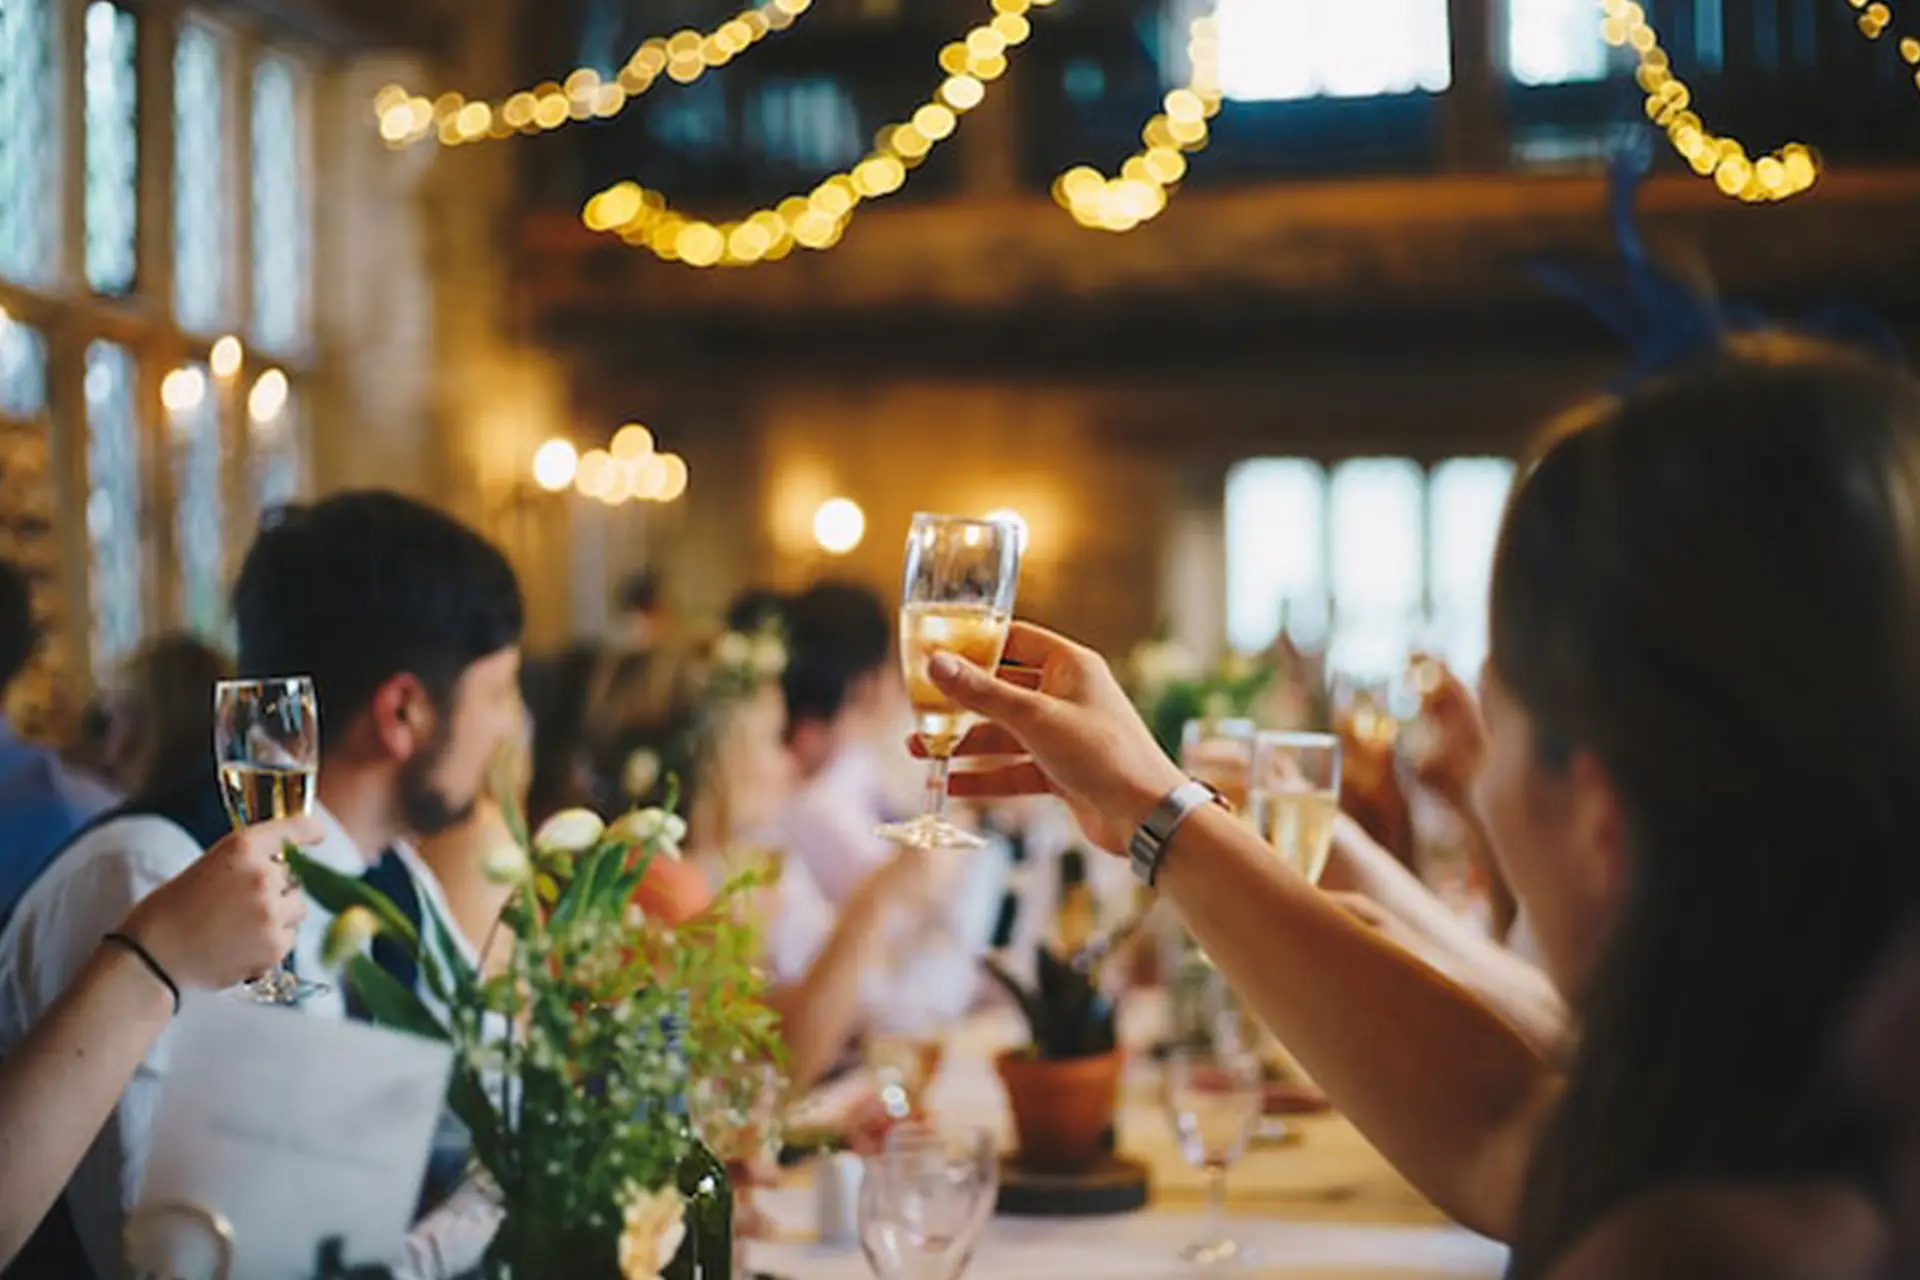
x=1148, y=847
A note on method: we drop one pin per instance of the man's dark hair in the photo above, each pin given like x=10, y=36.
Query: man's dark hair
x=640, y=592
x=837, y=633
x=756, y=609
x=363, y=586
x=18, y=635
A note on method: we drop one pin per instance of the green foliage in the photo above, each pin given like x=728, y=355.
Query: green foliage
x=615, y=1018
x=1171, y=688
x=1066, y=1012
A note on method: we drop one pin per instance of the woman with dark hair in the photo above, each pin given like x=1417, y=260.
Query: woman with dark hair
x=1702, y=781
x=160, y=717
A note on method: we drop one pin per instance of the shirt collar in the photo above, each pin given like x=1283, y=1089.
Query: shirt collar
x=337, y=850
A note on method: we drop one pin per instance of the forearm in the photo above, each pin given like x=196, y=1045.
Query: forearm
x=63, y=1081
x=1444, y=1087
x=1511, y=987
x=820, y=1011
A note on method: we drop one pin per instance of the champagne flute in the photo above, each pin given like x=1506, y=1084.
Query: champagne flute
x=1294, y=797
x=266, y=743
x=1220, y=754
x=960, y=581
x=1215, y=1093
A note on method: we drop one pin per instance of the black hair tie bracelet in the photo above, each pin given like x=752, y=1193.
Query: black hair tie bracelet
x=145, y=957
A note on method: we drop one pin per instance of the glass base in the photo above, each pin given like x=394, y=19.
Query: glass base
x=927, y=832
x=281, y=987
x=1217, y=1253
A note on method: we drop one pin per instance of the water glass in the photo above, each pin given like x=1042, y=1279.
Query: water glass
x=924, y=1203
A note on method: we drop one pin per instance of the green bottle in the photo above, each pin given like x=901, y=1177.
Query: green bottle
x=707, y=1251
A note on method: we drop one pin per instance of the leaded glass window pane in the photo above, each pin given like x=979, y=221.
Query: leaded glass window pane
x=1276, y=552
x=195, y=426
x=29, y=142
x=1288, y=49
x=1378, y=563
x=280, y=204
x=113, y=502
x=113, y=147
x=23, y=370
x=199, y=179
x=276, y=456
x=1555, y=41
x=1465, y=503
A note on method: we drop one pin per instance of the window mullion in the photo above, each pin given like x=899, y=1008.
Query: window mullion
x=161, y=350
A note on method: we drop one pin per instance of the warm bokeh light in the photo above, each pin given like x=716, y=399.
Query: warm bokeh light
x=647, y=477
x=839, y=525
x=183, y=390
x=555, y=464
x=268, y=397
x=590, y=477
x=226, y=357
x=674, y=482
x=1008, y=516
x=631, y=441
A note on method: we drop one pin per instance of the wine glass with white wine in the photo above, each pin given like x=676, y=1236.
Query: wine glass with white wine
x=1293, y=797
x=960, y=583
x=266, y=742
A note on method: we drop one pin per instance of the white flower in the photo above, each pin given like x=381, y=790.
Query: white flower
x=732, y=650
x=653, y=1225
x=769, y=656
x=654, y=826
x=1159, y=663
x=505, y=862
x=641, y=773
x=569, y=831
x=348, y=935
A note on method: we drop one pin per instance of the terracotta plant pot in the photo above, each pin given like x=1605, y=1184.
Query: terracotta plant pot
x=1062, y=1111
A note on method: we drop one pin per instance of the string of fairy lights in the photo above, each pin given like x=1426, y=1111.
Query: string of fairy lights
x=1778, y=175
x=1146, y=182
x=1143, y=188
x=406, y=117
x=645, y=218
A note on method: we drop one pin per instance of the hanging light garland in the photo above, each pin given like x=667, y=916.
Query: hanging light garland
x=407, y=118
x=644, y=218
x=1874, y=20
x=1778, y=175
x=1149, y=176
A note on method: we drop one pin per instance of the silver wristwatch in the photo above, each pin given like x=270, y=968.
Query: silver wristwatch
x=1149, y=844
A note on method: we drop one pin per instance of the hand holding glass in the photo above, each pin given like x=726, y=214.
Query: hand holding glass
x=266, y=744
x=961, y=577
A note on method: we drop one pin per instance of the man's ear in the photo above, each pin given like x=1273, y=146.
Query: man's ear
x=402, y=716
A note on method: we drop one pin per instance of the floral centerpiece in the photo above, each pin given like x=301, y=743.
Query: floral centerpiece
x=573, y=1068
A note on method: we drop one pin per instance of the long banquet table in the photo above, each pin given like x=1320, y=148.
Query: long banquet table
x=1322, y=1206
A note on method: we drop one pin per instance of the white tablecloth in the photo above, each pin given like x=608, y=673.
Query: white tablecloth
x=1326, y=1206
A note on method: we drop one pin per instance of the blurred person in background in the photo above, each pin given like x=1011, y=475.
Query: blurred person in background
x=160, y=714
x=839, y=678
x=718, y=732
x=42, y=801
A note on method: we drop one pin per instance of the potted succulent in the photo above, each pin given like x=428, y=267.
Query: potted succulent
x=1064, y=1086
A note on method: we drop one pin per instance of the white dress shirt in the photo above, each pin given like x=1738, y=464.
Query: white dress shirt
x=88, y=892
x=828, y=826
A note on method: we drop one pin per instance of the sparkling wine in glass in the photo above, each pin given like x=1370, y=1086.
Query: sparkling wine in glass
x=961, y=577
x=1215, y=1094
x=266, y=745
x=1294, y=797
x=1220, y=754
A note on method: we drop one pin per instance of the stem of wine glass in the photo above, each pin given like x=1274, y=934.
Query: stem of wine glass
x=1216, y=1200
x=935, y=806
